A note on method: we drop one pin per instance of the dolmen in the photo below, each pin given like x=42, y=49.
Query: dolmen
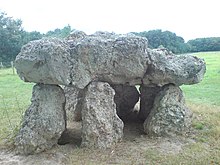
x=94, y=78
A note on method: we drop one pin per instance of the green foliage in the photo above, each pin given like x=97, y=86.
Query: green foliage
x=177, y=44
x=204, y=44
x=198, y=125
x=10, y=37
x=60, y=33
x=30, y=36
x=13, y=37
x=167, y=39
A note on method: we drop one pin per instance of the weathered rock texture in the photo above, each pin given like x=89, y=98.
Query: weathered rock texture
x=116, y=59
x=89, y=63
x=125, y=99
x=101, y=127
x=174, y=69
x=44, y=121
x=147, y=97
x=73, y=103
x=45, y=61
x=169, y=115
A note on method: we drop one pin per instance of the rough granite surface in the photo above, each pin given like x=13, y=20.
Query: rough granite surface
x=43, y=122
x=101, y=127
x=106, y=57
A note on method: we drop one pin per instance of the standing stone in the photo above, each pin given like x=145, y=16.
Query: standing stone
x=101, y=127
x=169, y=115
x=125, y=99
x=73, y=103
x=147, y=97
x=43, y=122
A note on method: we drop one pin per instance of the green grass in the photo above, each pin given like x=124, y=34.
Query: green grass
x=208, y=91
x=14, y=99
x=203, y=99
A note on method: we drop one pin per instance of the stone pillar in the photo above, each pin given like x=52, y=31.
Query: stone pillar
x=147, y=97
x=101, y=127
x=73, y=103
x=43, y=122
x=125, y=99
x=169, y=115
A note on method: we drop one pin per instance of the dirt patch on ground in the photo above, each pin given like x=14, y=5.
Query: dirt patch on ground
x=135, y=148
x=48, y=158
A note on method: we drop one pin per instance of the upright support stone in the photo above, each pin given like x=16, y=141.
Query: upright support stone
x=43, y=122
x=169, y=115
x=147, y=97
x=119, y=60
x=73, y=105
x=101, y=127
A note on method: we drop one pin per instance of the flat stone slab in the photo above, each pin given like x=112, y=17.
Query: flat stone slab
x=107, y=57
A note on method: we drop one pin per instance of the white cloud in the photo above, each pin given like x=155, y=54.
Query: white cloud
x=187, y=18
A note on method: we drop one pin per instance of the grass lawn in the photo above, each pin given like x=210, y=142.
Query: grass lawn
x=208, y=91
x=203, y=99
x=14, y=99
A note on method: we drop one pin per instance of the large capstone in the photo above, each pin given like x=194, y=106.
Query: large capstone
x=106, y=57
x=101, y=127
x=43, y=122
x=45, y=61
x=173, y=69
x=169, y=115
x=125, y=99
x=87, y=65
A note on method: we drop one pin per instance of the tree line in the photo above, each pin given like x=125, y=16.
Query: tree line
x=177, y=45
x=167, y=39
x=13, y=36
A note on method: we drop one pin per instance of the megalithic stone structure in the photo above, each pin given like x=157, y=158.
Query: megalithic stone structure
x=116, y=62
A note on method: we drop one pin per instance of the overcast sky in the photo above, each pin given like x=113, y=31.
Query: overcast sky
x=187, y=18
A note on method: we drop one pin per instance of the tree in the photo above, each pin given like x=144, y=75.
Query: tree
x=60, y=33
x=10, y=37
x=30, y=36
x=205, y=44
x=13, y=37
x=166, y=38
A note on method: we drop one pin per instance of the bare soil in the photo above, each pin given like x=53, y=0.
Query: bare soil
x=136, y=148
